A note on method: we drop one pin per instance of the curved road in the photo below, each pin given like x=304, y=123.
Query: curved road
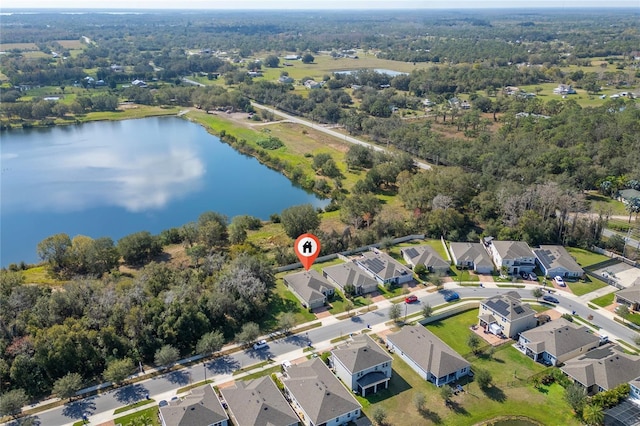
x=333, y=133
x=162, y=387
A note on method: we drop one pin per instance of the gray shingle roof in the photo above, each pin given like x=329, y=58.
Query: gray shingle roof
x=427, y=350
x=553, y=257
x=471, y=252
x=319, y=392
x=509, y=306
x=424, y=255
x=258, y=402
x=200, y=408
x=606, y=367
x=631, y=293
x=559, y=337
x=349, y=273
x=361, y=353
x=308, y=284
x=382, y=265
x=512, y=249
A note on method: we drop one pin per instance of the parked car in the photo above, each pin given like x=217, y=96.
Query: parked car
x=524, y=275
x=550, y=298
x=163, y=403
x=558, y=279
x=411, y=299
x=532, y=276
x=260, y=345
x=450, y=297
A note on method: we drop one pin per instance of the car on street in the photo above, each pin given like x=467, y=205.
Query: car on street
x=559, y=281
x=532, y=276
x=411, y=299
x=451, y=296
x=550, y=298
x=260, y=345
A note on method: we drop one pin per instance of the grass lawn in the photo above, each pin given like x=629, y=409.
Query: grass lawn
x=509, y=396
x=590, y=284
x=604, y=301
x=586, y=257
x=132, y=406
x=461, y=275
x=151, y=415
x=284, y=301
x=454, y=330
x=602, y=204
x=39, y=275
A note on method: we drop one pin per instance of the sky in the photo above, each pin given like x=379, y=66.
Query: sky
x=315, y=4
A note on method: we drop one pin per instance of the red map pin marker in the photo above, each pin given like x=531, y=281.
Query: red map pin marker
x=307, y=248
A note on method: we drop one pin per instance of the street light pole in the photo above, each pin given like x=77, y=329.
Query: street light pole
x=205, y=371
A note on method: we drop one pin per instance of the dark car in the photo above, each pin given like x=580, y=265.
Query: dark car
x=549, y=298
x=450, y=297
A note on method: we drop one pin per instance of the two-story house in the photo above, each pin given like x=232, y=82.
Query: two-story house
x=506, y=314
x=362, y=365
x=512, y=256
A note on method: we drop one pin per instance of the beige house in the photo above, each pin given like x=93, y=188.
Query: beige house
x=556, y=342
x=630, y=296
x=471, y=256
x=349, y=273
x=311, y=288
x=506, y=315
x=427, y=256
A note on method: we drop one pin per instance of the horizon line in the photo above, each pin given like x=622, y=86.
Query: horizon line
x=5, y=10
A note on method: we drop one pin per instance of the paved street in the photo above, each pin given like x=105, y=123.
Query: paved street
x=100, y=408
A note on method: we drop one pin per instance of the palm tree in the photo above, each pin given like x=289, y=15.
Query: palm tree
x=593, y=415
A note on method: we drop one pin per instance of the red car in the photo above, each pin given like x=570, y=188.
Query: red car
x=411, y=299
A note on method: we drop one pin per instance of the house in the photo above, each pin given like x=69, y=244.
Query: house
x=635, y=389
x=564, y=89
x=350, y=273
x=117, y=68
x=291, y=57
x=384, y=268
x=285, y=79
x=471, y=256
x=362, y=365
x=557, y=341
x=506, y=314
x=200, y=408
x=603, y=368
x=139, y=83
x=515, y=256
x=626, y=413
x=427, y=355
x=311, y=84
x=258, y=402
x=254, y=73
x=310, y=287
x=318, y=396
x=630, y=296
x=627, y=195
x=427, y=103
x=427, y=256
x=556, y=261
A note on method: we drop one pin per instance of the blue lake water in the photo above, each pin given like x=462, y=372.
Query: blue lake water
x=115, y=178
x=390, y=73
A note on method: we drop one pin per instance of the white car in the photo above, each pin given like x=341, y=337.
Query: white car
x=558, y=279
x=260, y=345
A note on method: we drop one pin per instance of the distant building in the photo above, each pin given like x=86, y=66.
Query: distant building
x=564, y=89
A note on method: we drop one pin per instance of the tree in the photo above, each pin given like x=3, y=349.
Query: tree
x=420, y=269
x=348, y=306
x=12, y=402
x=55, y=251
x=379, y=415
x=623, y=311
x=210, y=343
x=286, y=322
x=117, y=371
x=67, y=386
x=166, y=356
x=593, y=415
x=484, y=379
x=248, y=334
x=537, y=293
x=427, y=310
x=419, y=401
x=575, y=395
x=237, y=233
x=473, y=341
x=272, y=61
x=395, y=312
x=446, y=393
x=139, y=247
x=102, y=256
x=307, y=58
x=298, y=220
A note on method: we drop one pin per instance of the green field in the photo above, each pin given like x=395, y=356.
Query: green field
x=585, y=257
x=599, y=203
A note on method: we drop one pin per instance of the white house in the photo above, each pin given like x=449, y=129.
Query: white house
x=471, y=256
x=362, y=365
x=384, y=268
x=516, y=256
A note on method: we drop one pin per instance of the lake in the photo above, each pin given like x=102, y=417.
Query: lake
x=116, y=178
x=390, y=73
